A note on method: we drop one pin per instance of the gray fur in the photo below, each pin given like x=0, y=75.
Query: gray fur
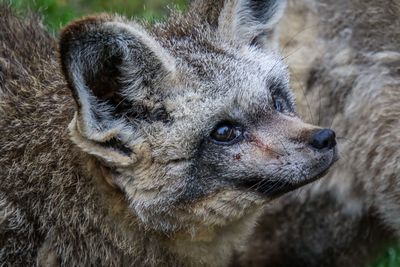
x=120, y=169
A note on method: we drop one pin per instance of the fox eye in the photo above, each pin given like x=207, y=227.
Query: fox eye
x=226, y=133
x=279, y=104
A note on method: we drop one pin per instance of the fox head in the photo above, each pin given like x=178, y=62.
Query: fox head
x=193, y=120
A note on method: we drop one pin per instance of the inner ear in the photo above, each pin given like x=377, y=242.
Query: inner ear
x=104, y=83
x=107, y=86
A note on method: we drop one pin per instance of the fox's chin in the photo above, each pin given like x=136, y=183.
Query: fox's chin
x=277, y=187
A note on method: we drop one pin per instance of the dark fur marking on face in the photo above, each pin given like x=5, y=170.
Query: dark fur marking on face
x=276, y=87
x=279, y=90
x=195, y=189
x=136, y=111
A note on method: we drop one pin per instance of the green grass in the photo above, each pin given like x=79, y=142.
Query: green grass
x=59, y=12
x=391, y=258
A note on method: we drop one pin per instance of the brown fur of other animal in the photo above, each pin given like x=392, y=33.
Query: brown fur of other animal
x=345, y=57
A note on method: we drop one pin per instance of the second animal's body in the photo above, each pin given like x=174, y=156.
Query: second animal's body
x=345, y=56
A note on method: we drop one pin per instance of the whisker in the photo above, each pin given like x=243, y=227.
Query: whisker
x=278, y=185
x=305, y=97
x=283, y=50
x=319, y=108
x=245, y=191
x=271, y=150
x=285, y=45
x=333, y=120
x=345, y=138
x=282, y=143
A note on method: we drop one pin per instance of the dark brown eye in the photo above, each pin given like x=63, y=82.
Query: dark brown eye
x=226, y=133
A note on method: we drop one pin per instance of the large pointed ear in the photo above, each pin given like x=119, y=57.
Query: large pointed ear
x=111, y=66
x=252, y=22
x=244, y=22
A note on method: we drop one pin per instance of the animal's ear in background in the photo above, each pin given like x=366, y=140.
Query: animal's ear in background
x=253, y=22
x=111, y=66
x=244, y=22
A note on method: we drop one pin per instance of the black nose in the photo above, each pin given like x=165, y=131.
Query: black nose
x=324, y=138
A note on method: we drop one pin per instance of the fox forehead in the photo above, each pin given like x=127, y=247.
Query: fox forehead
x=243, y=76
x=232, y=88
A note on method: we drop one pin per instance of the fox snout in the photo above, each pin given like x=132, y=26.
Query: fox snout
x=323, y=139
x=287, y=154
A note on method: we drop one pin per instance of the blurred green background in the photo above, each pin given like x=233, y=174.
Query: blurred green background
x=58, y=12
x=390, y=258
